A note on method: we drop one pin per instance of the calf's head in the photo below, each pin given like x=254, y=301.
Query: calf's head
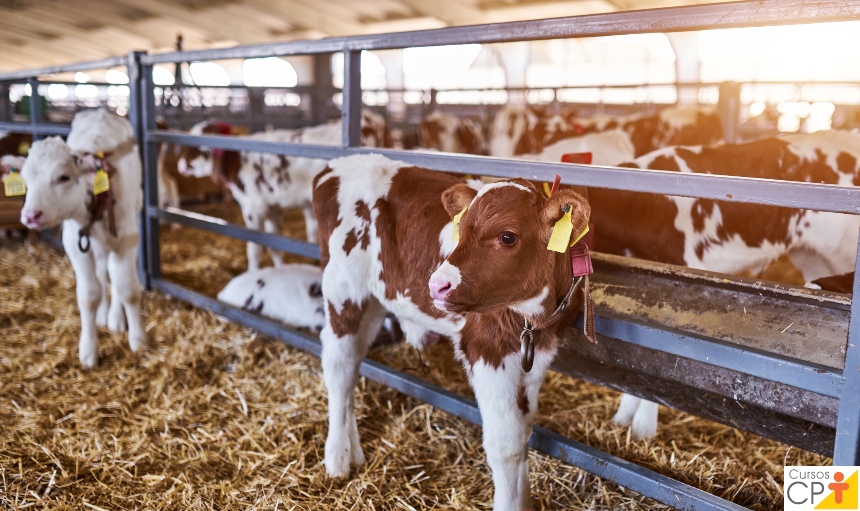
x=501, y=259
x=59, y=184
x=204, y=161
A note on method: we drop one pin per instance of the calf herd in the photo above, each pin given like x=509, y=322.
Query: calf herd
x=447, y=256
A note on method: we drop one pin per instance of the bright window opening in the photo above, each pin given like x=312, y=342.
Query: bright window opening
x=209, y=73
x=161, y=76
x=268, y=72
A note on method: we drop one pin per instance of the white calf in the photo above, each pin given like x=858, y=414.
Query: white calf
x=291, y=294
x=100, y=232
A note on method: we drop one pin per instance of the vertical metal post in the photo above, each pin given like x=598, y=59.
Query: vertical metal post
x=847, y=448
x=36, y=114
x=5, y=104
x=351, y=112
x=728, y=108
x=134, y=116
x=152, y=229
x=322, y=90
x=432, y=107
x=256, y=104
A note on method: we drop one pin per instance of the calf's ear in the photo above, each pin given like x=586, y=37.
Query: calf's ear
x=553, y=210
x=86, y=164
x=458, y=197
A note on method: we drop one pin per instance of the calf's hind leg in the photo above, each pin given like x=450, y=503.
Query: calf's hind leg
x=345, y=339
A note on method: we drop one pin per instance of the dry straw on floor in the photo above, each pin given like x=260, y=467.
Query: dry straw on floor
x=215, y=417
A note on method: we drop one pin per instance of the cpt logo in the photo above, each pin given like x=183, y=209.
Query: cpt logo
x=809, y=488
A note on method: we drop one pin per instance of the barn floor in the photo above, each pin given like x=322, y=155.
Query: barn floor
x=214, y=416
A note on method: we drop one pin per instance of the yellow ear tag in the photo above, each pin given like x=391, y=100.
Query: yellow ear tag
x=455, y=231
x=547, y=190
x=574, y=242
x=560, y=238
x=14, y=185
x=101, y=184
x=24, y=148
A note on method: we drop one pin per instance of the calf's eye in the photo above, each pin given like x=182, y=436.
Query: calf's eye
x=508, y=238
x=64, y=178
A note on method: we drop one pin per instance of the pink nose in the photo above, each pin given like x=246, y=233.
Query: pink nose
x=31, y=218
x=439, y=288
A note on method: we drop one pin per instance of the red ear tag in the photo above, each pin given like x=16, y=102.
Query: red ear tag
x=580, y=158
x=580, y=261
x=555, y=185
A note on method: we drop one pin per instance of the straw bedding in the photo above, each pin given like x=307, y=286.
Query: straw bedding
x=214, y=416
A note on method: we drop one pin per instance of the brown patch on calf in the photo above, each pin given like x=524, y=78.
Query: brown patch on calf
x=408, y=223
x=12, y=142
x=326, y=210
x=638, y=224
x=431, y=132
x=837, y=283
x=469, y=139
x=522, y=400
x=348, y=321
x=354, y=237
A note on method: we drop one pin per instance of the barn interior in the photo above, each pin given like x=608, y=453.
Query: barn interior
x=228, y=410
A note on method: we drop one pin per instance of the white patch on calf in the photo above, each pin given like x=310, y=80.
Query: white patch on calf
x=446, y=242
x=533, y=306
x=678, y=118
x=449, y=273
x=609, y=148
x=494, y=186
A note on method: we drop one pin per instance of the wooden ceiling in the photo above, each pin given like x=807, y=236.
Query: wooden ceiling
x=37, y=33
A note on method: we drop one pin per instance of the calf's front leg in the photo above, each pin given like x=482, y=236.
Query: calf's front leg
x=102, y=313
x=507, y=398
x=253, y=220
x=311, y=226
x=89, y=293
x=272, y=225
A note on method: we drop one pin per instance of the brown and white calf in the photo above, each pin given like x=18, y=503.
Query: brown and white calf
x=517, y=131
x=101, y=240
x=447, y=132
x=385, y=229
x=732, y=237
x=265, y=184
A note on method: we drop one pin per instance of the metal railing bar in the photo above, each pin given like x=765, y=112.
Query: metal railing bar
x=812, y=377
x=795, y=373
x=65, y=68
x=224, y=228
x=36, y=129
x=624, y=473
x=791, y=194
x=671, y=19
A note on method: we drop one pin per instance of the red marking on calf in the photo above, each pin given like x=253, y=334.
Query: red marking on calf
x=580, y=158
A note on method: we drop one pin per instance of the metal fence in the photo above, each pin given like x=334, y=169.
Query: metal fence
x=841, y=385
